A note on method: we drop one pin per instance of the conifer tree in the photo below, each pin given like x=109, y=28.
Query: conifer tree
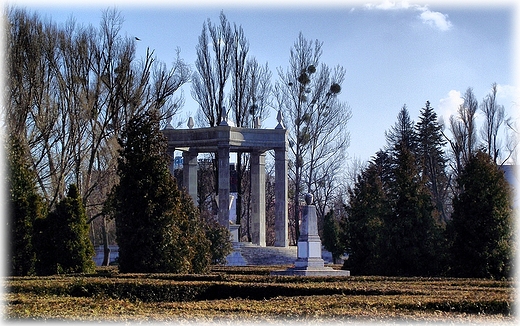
x=481, y=229
x=412, y=234
x=367, y=211
x=431, y=159
x=331, y=235
x=411, y=231
x=391, y=228
x=25, y=205
x=402, y=132
x=62, y=241
x=157, y=228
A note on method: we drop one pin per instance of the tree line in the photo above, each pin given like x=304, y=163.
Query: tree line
x=84, y=118
x=420, y=208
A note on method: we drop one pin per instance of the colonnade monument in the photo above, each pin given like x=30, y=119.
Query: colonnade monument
x=223, y=140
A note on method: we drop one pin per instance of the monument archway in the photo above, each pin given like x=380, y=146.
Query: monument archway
x=223, y=140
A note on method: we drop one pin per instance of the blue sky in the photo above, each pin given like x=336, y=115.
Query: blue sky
x=395, y=53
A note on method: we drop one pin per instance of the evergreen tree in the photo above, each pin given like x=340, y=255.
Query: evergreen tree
x=63, y=244
x=431, y=159
x=219, y=238
x=481, y=229
x=412, y=234
x=364, y=228
x=197, y=240
x=403, y=132
x=331, y=236
x=392, y=227
x=157, y=227
x=25, y=206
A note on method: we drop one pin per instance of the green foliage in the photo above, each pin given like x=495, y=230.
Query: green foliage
x=397, y=210
x=413, y=236
x=393, y=226
x=157, y=225
x=61, y=239
x=25, y=205
x=402, y=132
x=332, y=235
x=431, y=159
x=367, y=211
x=480, y=231
x=221, y=246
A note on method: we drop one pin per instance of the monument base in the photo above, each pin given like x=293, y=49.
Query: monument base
x=309, y=271
x=309, y=262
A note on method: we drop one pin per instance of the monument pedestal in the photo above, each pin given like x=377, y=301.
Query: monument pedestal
x=309, y=262
x=234, y=230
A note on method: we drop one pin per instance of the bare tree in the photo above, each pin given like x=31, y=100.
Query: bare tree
x=208, y=83
x=249, y=101
x=72, y=90
x=328, y=145
x=238, y=99
x=512, y=141
x=494, y=118
x=307, y=95
x=224, y=65
x=463, y=130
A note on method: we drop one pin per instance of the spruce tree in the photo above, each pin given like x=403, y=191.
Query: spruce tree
x=413, y=236
x=431, y=159
x=411, y=232
x=402, y=132
x=25, y=205
x=481, y=229
x=157, y=229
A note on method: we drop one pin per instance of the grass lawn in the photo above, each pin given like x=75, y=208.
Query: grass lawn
x=239, y=294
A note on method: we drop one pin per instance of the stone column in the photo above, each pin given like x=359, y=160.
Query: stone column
x=258, y=198
x=189, y=170
x=280, y=190
x=223, y=185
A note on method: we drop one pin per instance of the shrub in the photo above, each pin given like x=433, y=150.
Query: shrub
x=221, y=246
x=62, y=242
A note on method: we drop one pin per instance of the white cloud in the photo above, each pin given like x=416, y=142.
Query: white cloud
x=436, y=19
x=433, y=18
x=388, y=5
x=509, y=97
x=505, y=91
x=448, y=106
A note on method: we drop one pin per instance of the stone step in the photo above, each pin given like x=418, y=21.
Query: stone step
x=249, y=254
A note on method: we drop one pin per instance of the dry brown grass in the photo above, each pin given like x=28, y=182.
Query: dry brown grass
x=260, y=298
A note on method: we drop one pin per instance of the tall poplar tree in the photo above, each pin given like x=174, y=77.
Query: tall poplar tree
x=464, y=132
